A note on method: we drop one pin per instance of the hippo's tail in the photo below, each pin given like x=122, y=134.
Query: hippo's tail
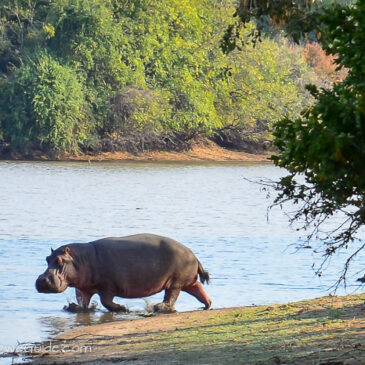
x=203, y=275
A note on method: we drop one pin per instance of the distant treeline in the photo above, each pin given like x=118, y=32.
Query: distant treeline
x=104, y=75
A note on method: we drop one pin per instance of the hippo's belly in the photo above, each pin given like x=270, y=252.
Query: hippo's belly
x=139, y=292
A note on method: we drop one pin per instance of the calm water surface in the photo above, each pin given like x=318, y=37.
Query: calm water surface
x=210, y=208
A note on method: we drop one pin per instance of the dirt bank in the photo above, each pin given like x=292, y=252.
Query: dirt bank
x=204, y=150
x=208, y=151
x=324, y=331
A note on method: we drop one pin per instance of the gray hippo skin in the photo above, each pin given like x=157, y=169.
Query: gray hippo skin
x=128, y=267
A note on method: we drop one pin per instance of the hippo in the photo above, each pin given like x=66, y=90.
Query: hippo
x=129, y=267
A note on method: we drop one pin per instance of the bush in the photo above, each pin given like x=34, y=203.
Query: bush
x=267, y=84
x=137, y=109
x=43, y=106
x=138, y=120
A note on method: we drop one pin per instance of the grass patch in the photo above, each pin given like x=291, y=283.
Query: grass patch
x=328, y=330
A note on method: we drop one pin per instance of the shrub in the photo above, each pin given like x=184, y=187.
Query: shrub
x=42, y=106
x=138, y=120
x=137, y=109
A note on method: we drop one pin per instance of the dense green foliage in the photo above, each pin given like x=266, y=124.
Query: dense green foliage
x=44, y=105
x=324, y=149
x=92, y=74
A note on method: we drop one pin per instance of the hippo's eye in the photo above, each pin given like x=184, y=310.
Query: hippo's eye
x=47, y=259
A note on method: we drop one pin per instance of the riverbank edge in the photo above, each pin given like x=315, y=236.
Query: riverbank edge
x=323, y=331
x=206, y=151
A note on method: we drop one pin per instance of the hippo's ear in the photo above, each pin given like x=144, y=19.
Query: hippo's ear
x=67, y=254
x=52, y=250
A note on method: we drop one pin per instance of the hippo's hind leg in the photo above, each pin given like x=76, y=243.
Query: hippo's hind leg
x=107, y=301
x=199, y=293
x=167, y=306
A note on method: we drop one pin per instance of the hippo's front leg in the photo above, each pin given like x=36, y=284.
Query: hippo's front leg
x=83, y=298
x=107, y=301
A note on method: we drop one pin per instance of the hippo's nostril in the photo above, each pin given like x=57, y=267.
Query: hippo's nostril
x=42, y=284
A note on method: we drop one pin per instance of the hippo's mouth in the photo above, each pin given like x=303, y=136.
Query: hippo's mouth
x=50, y=285
x=46, y=290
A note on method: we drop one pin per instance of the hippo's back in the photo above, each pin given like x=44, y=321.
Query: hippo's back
x=145, y=258
x=143, y=241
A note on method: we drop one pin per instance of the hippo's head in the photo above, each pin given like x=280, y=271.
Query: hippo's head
x=60, y=271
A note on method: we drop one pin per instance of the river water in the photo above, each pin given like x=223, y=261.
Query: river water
x=211, y=208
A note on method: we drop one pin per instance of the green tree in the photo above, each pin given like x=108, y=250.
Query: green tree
x=324, y=149
x=175, y=53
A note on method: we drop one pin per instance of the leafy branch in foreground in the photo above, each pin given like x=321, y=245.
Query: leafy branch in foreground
x=330, y=228
x=324, y=149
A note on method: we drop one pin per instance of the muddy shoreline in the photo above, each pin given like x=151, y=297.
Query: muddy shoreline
x=323, y=331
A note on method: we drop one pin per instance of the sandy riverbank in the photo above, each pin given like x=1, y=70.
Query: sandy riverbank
x=203, y=151
x=208, y=151
x=323, y=331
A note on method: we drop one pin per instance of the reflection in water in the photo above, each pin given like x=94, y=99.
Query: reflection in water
x=210, y=208
x=57, y=323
